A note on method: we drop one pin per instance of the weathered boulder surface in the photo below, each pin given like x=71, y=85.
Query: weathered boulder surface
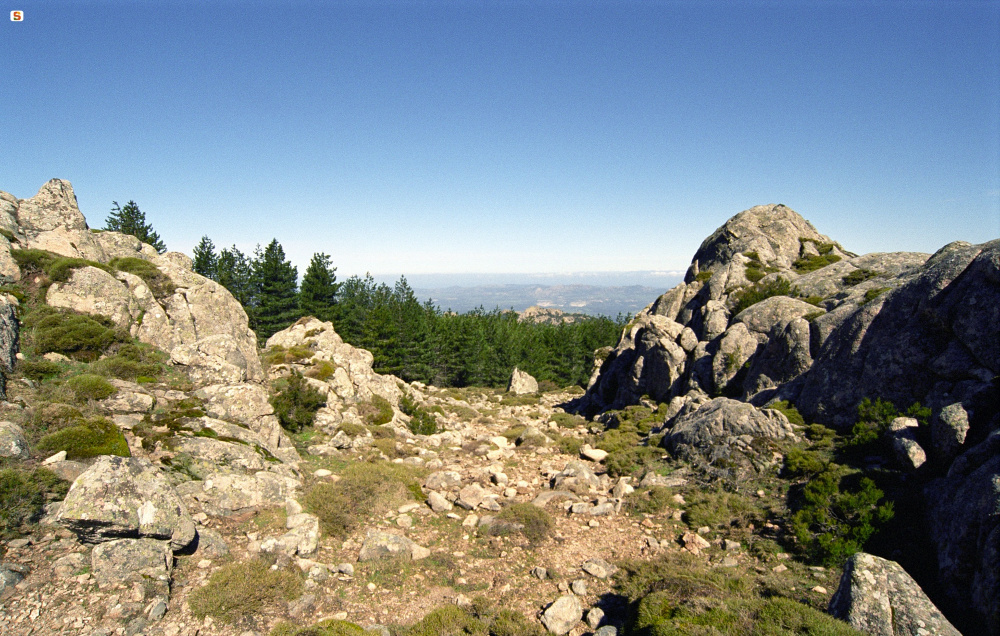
x=930, y=340
x=125, y=497
x=562, y=615
x=10, y=330
x=723, y=419
x=522, y=383
x=965, y=525
x=12, y=442
x=380, y=546
x=352, y=378
x=878, y=597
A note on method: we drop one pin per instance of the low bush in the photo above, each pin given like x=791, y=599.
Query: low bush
x=130, y=362
x=790, y=412
x=239, y=591
x=703, y=277
x=55, y=267
x=159, y=283
x=88, y=386
x=321, y=370
x=858, y=276
x=569, y=445
x=329, y=627
x=512, y=399
x=536, y=524
x=79, y=336
x=873, y=293
x=449, y=620
x=567, y=420
x=802, y=463
x=23, y=495
x=627, y=461
x=760, y=291
x=422, y=422
x=376, y=411
x=295, y=402
x=87, y=438
x=364, y=490
x=812, y=263
x=721, y=509
x=39, y=370
x=836, y=514
x=652, y=500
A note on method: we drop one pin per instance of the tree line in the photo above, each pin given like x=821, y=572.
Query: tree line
x=413, y=340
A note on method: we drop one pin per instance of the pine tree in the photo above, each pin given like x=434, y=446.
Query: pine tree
x=206, y=262
x=318, y=293
x=274, y=284
x=233, y=271
x=132, y=220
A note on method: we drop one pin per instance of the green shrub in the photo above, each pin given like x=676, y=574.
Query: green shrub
x=813, y=315
x=449, y=620
x=812, y=263
x=421, y=421
x=760, y=291
x=537, y=524
x=721, y=509
x=502, y=621
x=23, y=495
x=329, y=627
x=652, y=500
x=567, y=420
x=703, y=277
x=627, y=461
x=569, y=445
x=88, y=386
x=55, y=267
x=295, y=402
x=790, y=412
x=241, y=590
x=322, y=370
x=88, y=438
x=39, y=370
x=376, y=411
x=76, y=335
x=873, y=293
x=364, y=490
x=130, y=362
x=801, y=463
x=858, y=276
x=159, y=283
x=511, y=399
x=837, y=514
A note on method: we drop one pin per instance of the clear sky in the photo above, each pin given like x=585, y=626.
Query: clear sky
x=464, y=136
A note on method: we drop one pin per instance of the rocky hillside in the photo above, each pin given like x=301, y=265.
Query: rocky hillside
x=772, y=311
x=160, y=475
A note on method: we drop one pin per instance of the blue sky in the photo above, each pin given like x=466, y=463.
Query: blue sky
x=418, y=137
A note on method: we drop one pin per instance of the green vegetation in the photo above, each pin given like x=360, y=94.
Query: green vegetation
x=703, y=277
x=376, y=411
x=858, y=276
x=295, y=402
x=873, y=293
x=812, y=263
x=837, y=513
x=88, y=386
x=318, y=292
x=652, y=500
x=76, y=335
x=87, y=437
x=23, y=495
x=422, y=422
x=240, y=590
x=158, y=282
x=131, y=361
x=755, y=268
x=790, y=412
x=364, y=490
x=329, y=627
x=132, y=220
x=760, y=291
x=530, y=520
x=484, y=618
x=568, y=420
x=39, y=370
x=678, y=595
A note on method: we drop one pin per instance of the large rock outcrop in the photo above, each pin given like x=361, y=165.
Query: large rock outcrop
x=878, y=597
x=198, y=322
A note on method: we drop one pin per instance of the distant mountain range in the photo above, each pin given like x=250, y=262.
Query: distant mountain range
x=580, y=299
